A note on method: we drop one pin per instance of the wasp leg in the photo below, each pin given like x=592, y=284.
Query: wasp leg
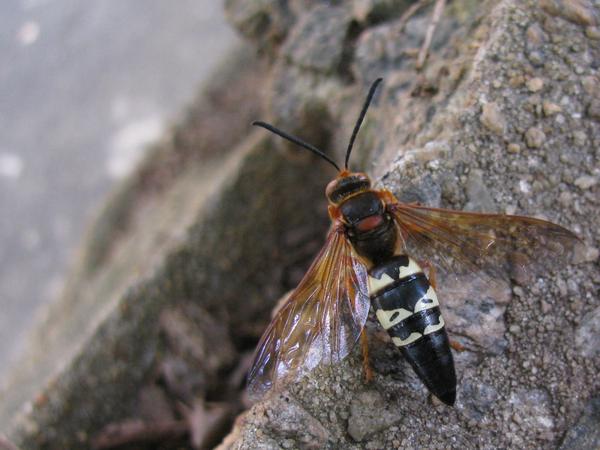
x=390, y=199
x=430, y=273
x=387, y=197
x=364, y=345
x=457, y=346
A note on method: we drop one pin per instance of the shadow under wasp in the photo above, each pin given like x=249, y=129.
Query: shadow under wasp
x=368, y=260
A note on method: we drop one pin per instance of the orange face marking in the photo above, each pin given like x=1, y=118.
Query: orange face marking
x=369, y=223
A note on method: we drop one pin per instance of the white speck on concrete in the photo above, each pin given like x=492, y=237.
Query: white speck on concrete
x=11, y=165
x=128, y=144
x=28, y=33
x=533, y=162
x=524, y=186
x=545, y=421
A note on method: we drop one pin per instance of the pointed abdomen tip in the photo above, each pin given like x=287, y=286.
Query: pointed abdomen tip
x=448, y=397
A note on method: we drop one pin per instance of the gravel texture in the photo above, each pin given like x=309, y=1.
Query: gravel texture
x=457, y=134
x=501, y=119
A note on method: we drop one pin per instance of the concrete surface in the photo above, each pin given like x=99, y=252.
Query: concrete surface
x=84, y=86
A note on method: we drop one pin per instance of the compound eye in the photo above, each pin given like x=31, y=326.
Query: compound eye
x=331, y=187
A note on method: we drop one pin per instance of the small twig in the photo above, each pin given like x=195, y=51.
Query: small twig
x=435, y=18
x=410, y=12
x=138, y=432
x=209, y=423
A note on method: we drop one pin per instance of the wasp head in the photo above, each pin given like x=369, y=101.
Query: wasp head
x=346, y=184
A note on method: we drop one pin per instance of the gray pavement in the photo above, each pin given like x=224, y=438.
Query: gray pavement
x=84, y=86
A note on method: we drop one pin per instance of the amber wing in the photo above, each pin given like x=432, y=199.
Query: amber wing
x=319, y=323
x=492, y=246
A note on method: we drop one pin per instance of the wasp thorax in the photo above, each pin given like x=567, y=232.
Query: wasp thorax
x=346, y=185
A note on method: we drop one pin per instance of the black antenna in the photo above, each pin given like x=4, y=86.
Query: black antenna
x=296, y=141
x=360, y=119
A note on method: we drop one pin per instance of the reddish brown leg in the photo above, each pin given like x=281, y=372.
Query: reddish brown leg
x=430, y=273
x=364, y=345
x=457, y=346
x=387, y=197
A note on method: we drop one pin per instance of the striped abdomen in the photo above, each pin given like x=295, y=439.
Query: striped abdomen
x=407, y=307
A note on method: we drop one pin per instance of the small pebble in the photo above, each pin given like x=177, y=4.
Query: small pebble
x=516, y=81
x=593, y=33
x=572, y=286
x=580, y=138
x=535, y=84
x=535, y=137
x=518, y=291
x=589, y=254
x=550, y=108
x=562, y=287
x=546, y=307
x=579, y=11
x=590, y=85
x=492, y=118
x=535, y=35
x=536, y=58
x=576, y=11
x=513, y=148
x=586, y=181
x=515, y=329
x=594, y=109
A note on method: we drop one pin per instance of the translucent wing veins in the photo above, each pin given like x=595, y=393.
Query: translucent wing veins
x=319, y=323
x=488, y=245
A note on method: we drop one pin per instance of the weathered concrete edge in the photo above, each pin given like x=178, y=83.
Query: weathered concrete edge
x=133, y=319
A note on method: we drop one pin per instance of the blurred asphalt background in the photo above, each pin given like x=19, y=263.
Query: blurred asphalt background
x=84, y=86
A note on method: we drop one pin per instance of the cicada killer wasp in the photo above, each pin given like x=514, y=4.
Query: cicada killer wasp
x=369, y=259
